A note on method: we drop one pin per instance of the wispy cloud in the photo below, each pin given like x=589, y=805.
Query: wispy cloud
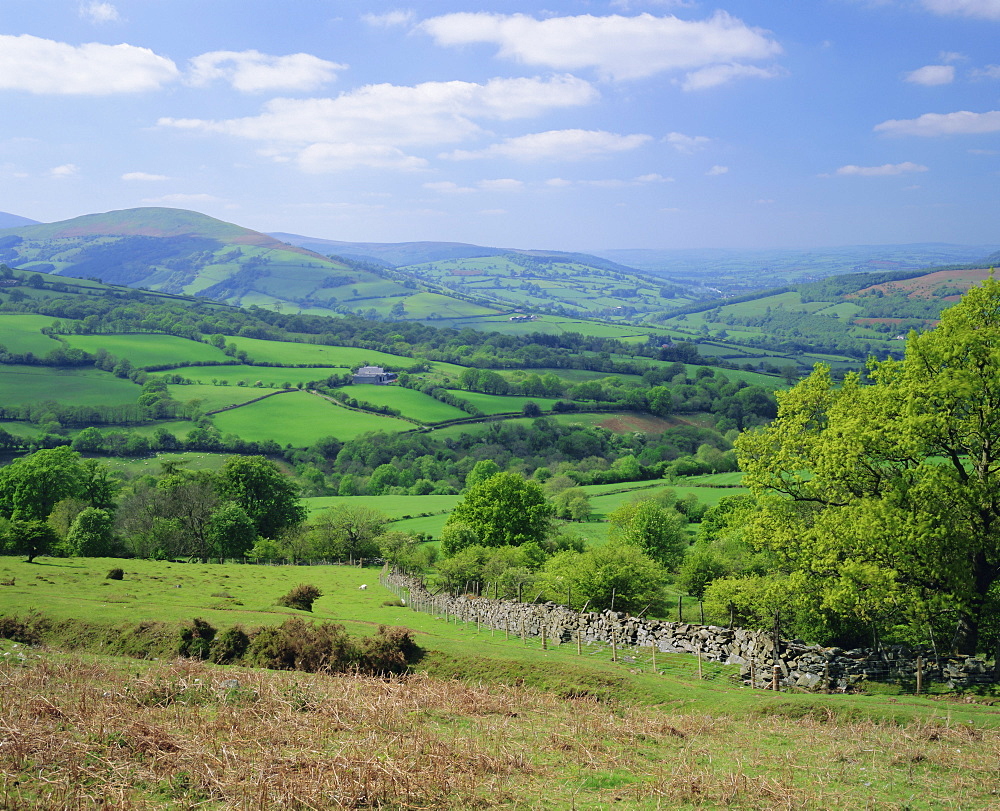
x=375, y=125
x=981, y=9
x=934, y=124
x=253, y=71
x=715, y=171
x=99, y=12
x=390, y=19
x=687, y=144
x=66, y=170
x=572, y=144
x=931, y=75
x=143, y=176
x=715, y=75
x=885, y=170
x=615, y=46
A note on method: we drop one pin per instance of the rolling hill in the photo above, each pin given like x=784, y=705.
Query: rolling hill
x=183, y=252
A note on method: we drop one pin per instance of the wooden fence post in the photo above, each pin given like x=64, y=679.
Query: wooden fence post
x=920, y=673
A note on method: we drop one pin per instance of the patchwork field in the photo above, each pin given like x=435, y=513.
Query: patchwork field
x=290, y=354
x=77, y=386
x=20, y=334
x=144, y=349
x=395, y=507
x=270, y=376
x=413, y=404
x=299, y=419
x=491, y=404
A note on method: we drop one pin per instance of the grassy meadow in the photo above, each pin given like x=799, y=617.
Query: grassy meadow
x=145, y=349
x=485, y=721
x=19, y=333
x=299, y=419
x=413, y=404
x=290, y=354
x=84, y=386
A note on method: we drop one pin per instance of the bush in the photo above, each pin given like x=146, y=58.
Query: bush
x=196, y=640
x=115, y=574
x=389, y=651
x=27, y=631
x=229, y=646
x=297, y=645
x=302, y=596
x=326, y=648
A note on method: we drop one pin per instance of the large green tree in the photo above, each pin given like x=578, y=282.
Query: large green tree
x=268, y=496
x=505, y=510
x=881, y=502
x=658, y=531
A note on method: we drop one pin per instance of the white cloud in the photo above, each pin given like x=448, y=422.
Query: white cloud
x=66, y=170
x=557, y=145
x=989, y=72
x=558, y=182
x=390, y=19
x=428, y=113
x=715, y=171
x=885, y=170
x=99, y=12
x=143, y=176
x=46, y=66
x=982, y=9
x=616, y=46
x=501, y=184
x=951, y=56
x=931, y=124
x=715, y=75
x=371, y=125
x=252, y=71
x=687, y=143
x=448, y=187
x=321, y=158
x=931, y=75
x=653, y=178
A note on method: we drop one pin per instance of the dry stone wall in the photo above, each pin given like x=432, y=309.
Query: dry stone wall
x=756, y=652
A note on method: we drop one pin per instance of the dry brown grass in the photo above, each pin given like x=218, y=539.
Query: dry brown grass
x=86, y=733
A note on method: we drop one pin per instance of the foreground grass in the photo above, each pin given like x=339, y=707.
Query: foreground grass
x=92, y=732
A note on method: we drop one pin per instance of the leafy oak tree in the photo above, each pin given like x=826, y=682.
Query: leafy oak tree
x=269, y=497
x=505, y=510
x=881, y=502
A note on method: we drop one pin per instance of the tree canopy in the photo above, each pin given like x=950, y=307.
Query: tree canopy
x=505, y=510
x=881, y=502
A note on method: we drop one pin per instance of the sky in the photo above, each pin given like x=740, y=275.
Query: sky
x=571, y=126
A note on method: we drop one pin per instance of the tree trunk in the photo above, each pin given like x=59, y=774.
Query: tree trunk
x=966, y=638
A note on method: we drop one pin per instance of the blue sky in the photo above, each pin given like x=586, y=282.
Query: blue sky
x=577, y=126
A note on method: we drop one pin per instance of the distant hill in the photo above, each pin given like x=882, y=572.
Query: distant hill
x=573, y=284
x=738, y=270
x=14, y=221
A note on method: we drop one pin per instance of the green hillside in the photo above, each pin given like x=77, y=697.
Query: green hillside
x=184, y=252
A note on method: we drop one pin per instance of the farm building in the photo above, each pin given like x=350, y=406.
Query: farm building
x=373, y=374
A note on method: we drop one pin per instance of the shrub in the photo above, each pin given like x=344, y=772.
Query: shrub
x=27, y=631
x=115, y=574
x=229, y=646
x=302, y=596
x=389, y=651
x=196, y=639
x=297, y=645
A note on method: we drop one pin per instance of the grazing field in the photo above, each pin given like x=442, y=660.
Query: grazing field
x=394, y=507
x=20, y=334
x=413, y=404
x=289, y=354
x=211, y=398
x=491, y=404
x=275, y=376
x=299, y=419
x=74, y=386
x=144, y=349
